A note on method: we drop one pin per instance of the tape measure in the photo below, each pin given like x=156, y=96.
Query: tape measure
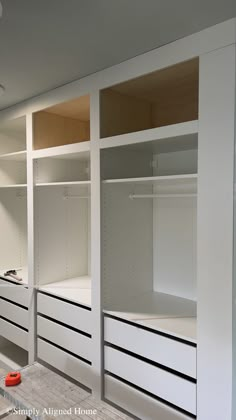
x=13, y=378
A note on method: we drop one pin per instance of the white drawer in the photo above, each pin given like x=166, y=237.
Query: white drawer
x=14, y=292
x=64, y=337
x=163, y=384
x=163, y=350
x=66, y=363
x=137, y=403
x=67, y=313
x=14, y=313
x=14, y=334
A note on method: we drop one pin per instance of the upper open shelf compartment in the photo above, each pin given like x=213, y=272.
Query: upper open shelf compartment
x=13, y=139
x=62, y=124
x=165, y=97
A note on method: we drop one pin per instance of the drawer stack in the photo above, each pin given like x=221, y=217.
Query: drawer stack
x=64, y=336
x=152, y=367
x=14, y=320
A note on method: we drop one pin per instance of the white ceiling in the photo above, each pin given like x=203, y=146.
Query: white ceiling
x=47, y=43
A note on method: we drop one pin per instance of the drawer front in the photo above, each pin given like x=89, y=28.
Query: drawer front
x=67, y=313
x=137, y=403
x=66, y=363
x=163, y=384
x=165, y=351
x=14, y=313
x=16, y=293
x=69, y=340
x=14, y=334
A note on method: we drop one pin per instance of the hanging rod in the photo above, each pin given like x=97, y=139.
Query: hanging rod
x=84, y=197
x=134, y=196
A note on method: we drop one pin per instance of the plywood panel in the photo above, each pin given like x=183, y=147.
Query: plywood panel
x=168, y=96
x=175, y=105
x=55, y=130
x=78, y=108
x=123, y=114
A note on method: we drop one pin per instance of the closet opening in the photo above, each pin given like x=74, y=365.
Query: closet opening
x=62, y=124
x=164, y=97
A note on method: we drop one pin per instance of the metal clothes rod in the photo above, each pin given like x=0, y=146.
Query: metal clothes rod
x=134, y=196
x=83, y=197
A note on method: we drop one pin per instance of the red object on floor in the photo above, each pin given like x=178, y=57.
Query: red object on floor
x=13, y=378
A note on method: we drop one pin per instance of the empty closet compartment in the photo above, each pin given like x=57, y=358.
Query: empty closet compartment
x=62, y=229
x=62, y=124
x=13, y=227
x=149, y=217
x=13, y=153
x=68, y=169
x=13, y=138
x=164, y=97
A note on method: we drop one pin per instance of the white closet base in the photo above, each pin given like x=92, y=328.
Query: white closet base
x=138, y=403
x=169, y=314
x=76, y=290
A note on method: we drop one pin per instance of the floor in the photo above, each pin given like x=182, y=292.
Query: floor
x=43, y=392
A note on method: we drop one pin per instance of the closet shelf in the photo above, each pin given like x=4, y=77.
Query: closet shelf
x=69, y=183
x=77, y=289
x=23, y=272
x=186, y=131
x=170, y=179
x=14, y=156
x=71, y=151
x=158, y=311
x=14, y=186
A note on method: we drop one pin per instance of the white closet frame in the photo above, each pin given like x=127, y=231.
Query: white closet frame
x=215, y=48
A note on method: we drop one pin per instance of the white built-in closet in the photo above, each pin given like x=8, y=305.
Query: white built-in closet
x=116, y=210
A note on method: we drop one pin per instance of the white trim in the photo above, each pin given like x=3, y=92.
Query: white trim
x=153, y=134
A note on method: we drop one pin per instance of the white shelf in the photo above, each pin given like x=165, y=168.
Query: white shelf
x=69, y=183
x=76, y=290
x=14, y=186
x=14, y=156
x=185, y=328
x=22, y=272
x=175, y=131
x=71, y=151
x=170, y=314
x=169, y=179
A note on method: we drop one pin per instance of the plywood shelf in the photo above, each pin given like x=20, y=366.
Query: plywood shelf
x=76, y=289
